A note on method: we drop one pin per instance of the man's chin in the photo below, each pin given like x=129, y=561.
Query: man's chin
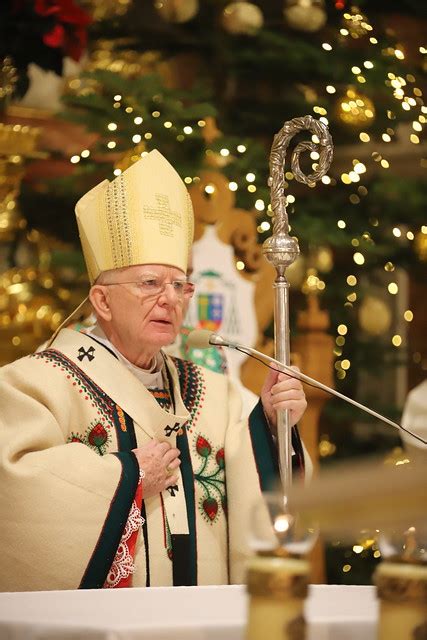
x=163, y=337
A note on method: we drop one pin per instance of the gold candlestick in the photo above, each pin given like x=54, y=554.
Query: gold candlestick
x=401, y=581
x=278, y=575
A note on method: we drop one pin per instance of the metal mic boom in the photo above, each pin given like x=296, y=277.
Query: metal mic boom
x=202, y=338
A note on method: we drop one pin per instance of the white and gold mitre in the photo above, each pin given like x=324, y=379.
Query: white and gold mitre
x=144, y=216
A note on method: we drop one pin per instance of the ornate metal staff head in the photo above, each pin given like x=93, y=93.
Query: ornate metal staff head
x=281, y=249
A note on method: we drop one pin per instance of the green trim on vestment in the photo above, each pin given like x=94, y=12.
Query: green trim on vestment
x=264, y=449
x=188, y=483
x=115, y=522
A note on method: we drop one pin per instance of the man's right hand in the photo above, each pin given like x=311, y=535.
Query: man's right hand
x=160, y=462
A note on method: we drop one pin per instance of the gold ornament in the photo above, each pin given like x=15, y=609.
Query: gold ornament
x=305, y=15
x=355, y=109
x=111, y=55
x=242, y=18
x=177, y=11
x=421, y=246
x=106, y=9
x=30, y=310
x=8, y=79
x=374, y=316
x=16, y=144
x=356, y=23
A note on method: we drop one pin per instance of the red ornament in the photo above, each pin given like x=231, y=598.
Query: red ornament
x=69, y=31
x=55, y=38
x=203, y=447
x=210, y=507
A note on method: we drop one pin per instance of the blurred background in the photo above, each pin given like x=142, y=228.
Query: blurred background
x=88, y=86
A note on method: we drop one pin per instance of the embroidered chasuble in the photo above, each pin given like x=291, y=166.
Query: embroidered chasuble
x=72, y=508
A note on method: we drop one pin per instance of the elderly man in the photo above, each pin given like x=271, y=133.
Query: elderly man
x=120, y=465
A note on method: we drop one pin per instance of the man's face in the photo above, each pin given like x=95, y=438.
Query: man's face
x=139, y=316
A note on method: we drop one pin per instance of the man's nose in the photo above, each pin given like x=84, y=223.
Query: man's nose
x=169, y=295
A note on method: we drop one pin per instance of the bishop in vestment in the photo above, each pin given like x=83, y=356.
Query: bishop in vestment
x=119, y=465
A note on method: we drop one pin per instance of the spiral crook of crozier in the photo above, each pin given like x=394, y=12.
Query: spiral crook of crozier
x=280, y=237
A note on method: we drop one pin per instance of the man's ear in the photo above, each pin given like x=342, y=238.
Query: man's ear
x=99, y=298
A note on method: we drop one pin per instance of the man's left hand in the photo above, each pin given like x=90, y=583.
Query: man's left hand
x=281, y=392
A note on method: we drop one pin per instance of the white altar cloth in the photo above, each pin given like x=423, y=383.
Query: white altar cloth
x=175, y=613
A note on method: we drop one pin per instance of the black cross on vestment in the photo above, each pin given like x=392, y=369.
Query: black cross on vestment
x=86, y=354
x=173, y=489
x=170, y=430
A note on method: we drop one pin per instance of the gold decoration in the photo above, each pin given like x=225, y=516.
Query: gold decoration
x=242, y=18
x=305, y=15
x=374, y=316
x=356, y=23
x=16, y=143
x=106, y=9
x=421, y=245
x=177, y=11
x=30, y=310
x=8, y=79
x=355, y=109
x=110, y=55
x=16, y=139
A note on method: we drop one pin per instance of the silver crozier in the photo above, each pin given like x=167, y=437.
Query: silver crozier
x=282, y=250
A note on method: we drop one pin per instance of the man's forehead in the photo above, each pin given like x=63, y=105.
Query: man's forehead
x=151, y=269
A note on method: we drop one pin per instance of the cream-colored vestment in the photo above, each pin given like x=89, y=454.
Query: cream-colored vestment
x=69, y=509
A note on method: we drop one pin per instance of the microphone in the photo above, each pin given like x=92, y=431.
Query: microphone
x=203, y=339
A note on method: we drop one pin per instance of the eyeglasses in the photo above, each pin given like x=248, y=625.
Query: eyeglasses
x=153, y=287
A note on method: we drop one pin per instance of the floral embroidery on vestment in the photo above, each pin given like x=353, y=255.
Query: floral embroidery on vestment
x=97, y=437
x=211, y=478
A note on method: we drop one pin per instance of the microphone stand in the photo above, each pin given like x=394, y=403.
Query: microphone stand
x=281, y=250
x=219, y=341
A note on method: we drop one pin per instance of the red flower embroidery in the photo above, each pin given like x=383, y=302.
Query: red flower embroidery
x=220, y=458
x=210, y=507
x=98, y=435
x=203, y=447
